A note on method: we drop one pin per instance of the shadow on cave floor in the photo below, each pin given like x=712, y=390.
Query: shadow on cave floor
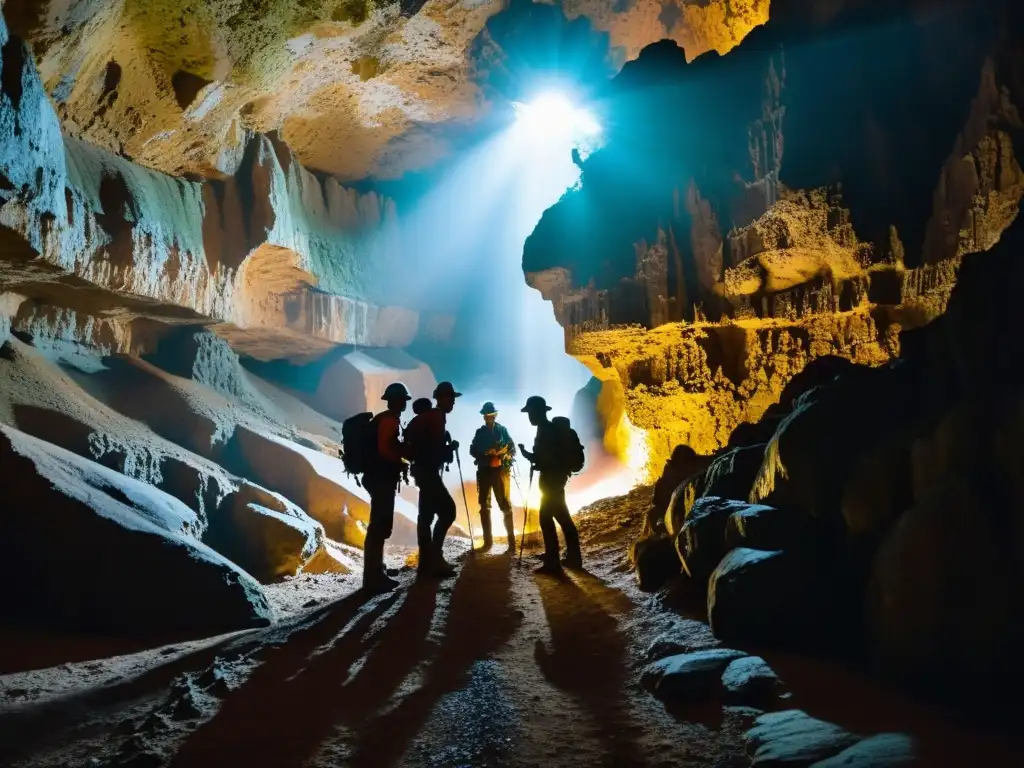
x=500, y=667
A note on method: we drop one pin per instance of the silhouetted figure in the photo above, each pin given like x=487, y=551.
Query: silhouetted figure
x=431, y=448
x=494, y=452
x=381, y=480
x=556, y=458
x=421, y=405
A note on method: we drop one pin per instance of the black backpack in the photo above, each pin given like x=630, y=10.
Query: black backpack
x=358, y=443
x=570, y=448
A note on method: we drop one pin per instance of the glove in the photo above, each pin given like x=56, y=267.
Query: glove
x=455, y=445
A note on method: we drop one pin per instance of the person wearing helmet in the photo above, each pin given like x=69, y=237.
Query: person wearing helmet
x=545, y=458
x=430, y=448
x=494, y=452
x=381, y=481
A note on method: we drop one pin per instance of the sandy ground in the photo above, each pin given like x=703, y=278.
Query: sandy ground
x=498, y=667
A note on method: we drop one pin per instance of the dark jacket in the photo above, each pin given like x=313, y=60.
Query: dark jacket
x=427, y=441
x=547, y=452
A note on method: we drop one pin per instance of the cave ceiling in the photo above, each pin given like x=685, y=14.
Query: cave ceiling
x=356, y=88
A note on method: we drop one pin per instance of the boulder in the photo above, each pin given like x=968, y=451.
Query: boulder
x=681, y=502
x=689, y=677
x=816, y=447
x=701, y=543
x=684, y=463
x=750, y=681
x=794, y=738
x=941, y=605
x=752, y=596
x=688, y=636
x=757, y=526
x=316, y=483
x=732, y=475
x=264, y=533
x=91, y=549
x=885, y=750
x=655, y=561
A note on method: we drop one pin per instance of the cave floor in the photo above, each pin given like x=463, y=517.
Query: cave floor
x=498, y=667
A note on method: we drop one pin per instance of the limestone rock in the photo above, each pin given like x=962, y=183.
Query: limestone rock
x=689, y=677
x=264, y=533
x=794, y=738
x=752, y=596
x=885, y=750
x=756, y=526
x=701, y=543
x=176, y=88
x=750, y=681
x=655, y=561
x=732, y=475
x=688, y=637
x=804, y=466
x=273, y=251
x=148, y=575
x=683, y=464
x=37, y=396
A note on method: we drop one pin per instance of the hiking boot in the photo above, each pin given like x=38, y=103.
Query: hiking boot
x=574, y=560
x=443, y=569
x=488, y=543
x=510, y=549
x=379, y=583
x=550, y=568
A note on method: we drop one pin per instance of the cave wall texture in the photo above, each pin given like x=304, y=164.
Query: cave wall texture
x=811, y=193
x=179, y=86
x=200, y=275
x=870, y=501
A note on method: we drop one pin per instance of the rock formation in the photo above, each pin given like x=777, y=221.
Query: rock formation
x=776, y=214
x=354, y=87
x=791, y=276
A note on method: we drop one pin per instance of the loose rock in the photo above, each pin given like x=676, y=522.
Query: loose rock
x=688, y=677
x=757, y=526
x=750, y=681
x=701, y=543
x=886, y=750
x=751, y=596
x=794, y=738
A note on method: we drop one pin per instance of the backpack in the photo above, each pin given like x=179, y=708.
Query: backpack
x=570, y=448
x=358, y=443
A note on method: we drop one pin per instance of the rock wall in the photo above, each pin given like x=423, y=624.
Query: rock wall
x=771, y=197
x=272, y=248
x=888, y=499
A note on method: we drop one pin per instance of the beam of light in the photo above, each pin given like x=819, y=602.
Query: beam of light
x=465, y=240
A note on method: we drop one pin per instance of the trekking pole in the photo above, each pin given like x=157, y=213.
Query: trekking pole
x=519, y=488
x=469, y=519
x=526, y=518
